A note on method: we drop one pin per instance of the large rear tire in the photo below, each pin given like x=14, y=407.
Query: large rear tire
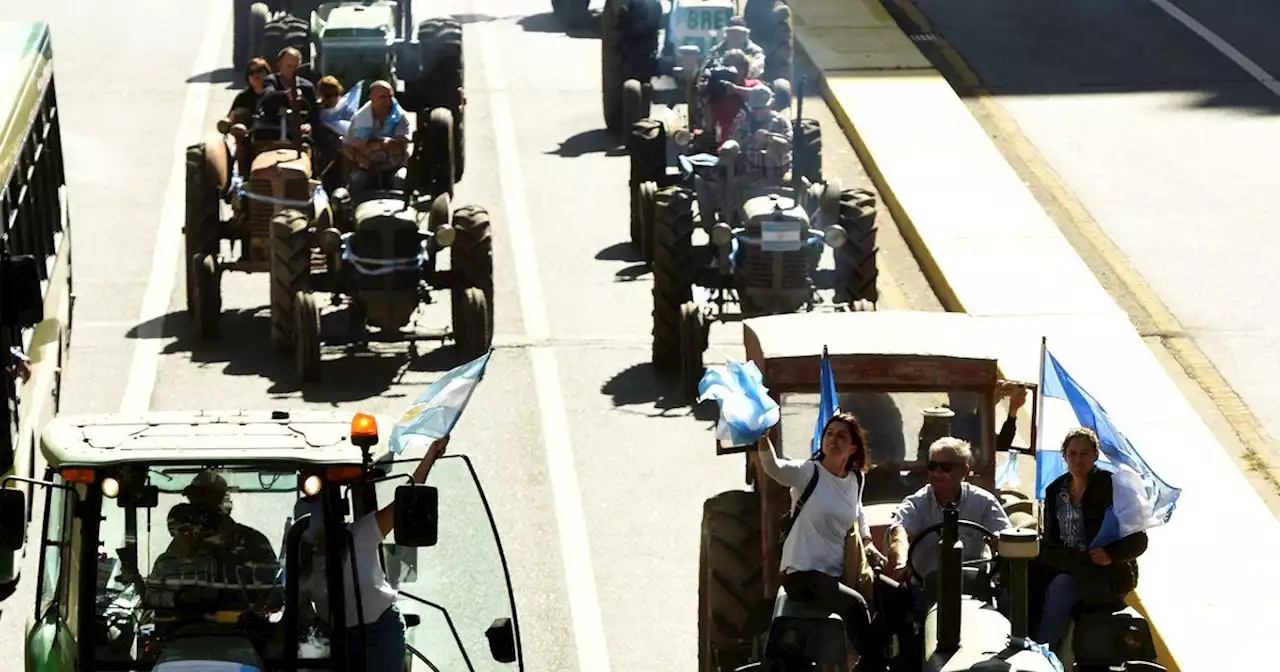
x=771, y=27
x=435, y=147
x=730, y=580
x=290, y=274
x=672, y=272
x=857, y=269
x=200, y=228
x=259, y=14
x=284, y=31
x=443, y=79
x=628, y=50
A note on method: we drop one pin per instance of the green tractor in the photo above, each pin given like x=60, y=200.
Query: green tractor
x=368, y=40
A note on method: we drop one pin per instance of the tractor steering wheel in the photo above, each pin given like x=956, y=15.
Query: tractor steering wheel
x=915, y=544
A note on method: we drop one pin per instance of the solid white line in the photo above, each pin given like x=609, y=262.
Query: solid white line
x=580, y=578
x=168, y=246
x=1264, y=78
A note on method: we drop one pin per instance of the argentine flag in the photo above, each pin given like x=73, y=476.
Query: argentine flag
x=828, y=403
x=435, y=413
x=338, y=117
x=1141, y=500
x=746, y=409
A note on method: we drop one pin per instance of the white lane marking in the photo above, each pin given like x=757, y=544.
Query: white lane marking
x=580, y=578
x=1264, y=78
x=168, y=244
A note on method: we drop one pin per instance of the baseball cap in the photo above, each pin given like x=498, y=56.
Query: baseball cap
x=207, y=482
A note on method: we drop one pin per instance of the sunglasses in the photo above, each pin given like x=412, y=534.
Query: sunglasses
x=946, y=467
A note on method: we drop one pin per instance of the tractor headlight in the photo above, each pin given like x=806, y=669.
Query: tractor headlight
x=445, y=234
x=835, y=235
x=721, y=234
x=110, y=488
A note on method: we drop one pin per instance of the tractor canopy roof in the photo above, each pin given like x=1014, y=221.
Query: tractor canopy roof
x=902, y=350
x=301, y=437
x=351, y=19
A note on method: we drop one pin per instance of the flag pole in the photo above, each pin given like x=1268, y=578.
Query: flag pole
x=1037, y=429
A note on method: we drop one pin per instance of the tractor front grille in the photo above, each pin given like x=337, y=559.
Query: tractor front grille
x=758, y=268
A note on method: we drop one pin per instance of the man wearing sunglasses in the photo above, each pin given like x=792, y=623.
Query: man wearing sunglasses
x=949, y=462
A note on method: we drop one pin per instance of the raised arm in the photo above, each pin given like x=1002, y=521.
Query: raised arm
x=791, y=473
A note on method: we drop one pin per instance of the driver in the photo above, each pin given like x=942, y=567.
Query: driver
x=765, y=134
x=378, y=139
x=813, y=553
x=949, y=462
x=299, y=90
x=738, y=36
x=229, y=541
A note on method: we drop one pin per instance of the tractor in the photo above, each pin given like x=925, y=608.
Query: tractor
x=647, y=56
x=910, y=378
x=764, y=244
x=367, y=40
x=378, y=255
x=237, y=181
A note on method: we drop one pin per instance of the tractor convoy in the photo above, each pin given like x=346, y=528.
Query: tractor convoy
x=730, y=209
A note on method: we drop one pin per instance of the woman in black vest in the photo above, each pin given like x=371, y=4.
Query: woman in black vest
x=1070, y=570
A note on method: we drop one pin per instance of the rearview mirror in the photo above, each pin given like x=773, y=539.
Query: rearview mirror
x=144, y=497
x=13, y=519
x=502, y=640
x=417, y=515
x=22, y=304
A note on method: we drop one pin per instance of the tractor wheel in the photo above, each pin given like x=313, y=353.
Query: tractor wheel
x=672, y=272
x=284, y=31
x=730, y=579
x=693, y=343
x=771, y=28
x=647, y=147
x=208, y=295
x=628, y=50
x=856, y=264
x=200, y=228
x=306, y=330
x=256, y=34
x=643, y=238
x=442, y=81
x=472, y=254
x=472, y=323
x=436, y=160
x=290, y=272
x=808, y=154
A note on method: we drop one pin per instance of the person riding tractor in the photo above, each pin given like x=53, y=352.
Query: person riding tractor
x=737, y=36
x=764, y=135
x=377, y=143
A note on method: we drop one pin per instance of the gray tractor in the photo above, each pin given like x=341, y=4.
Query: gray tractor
x=764, y=243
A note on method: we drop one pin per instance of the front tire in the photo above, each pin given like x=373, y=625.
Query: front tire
x=730, y=580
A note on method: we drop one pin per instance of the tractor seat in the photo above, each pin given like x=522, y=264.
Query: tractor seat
x=802, y=630
x=787, y=606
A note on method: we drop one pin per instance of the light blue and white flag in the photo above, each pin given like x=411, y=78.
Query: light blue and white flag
x=746, y=409
x=828, y=403
x=1141, y=499
x=338, y=117
x=437, y=410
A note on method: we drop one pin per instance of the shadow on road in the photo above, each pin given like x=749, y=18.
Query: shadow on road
x=640, y=384
x=596, y=141
x=349, y=373
x=548, y=23
x=219, y=76
x=623, y=251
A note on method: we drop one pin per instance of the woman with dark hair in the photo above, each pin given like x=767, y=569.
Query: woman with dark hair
x=246, y=102
x=826, y=493
x=1070, y=569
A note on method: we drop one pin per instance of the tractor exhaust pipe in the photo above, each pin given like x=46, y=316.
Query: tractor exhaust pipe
x=1019, y=547
x=797, y=184
x=950, y=582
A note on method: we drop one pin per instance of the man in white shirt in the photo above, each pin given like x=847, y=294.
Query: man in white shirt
x=377, y=141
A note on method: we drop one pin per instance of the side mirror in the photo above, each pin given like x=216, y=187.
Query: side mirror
x=417, y=515
x=22, y=302
x=145, y=497
x=502, y=640
x=13, y=519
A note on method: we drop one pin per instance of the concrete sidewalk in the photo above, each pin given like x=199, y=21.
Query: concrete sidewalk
x=989, y=249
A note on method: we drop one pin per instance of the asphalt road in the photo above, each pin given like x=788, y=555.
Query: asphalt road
x=1168, y=143
x=596, y=477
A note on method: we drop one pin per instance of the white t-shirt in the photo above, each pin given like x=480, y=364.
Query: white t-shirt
x=376, y=593
x=817, y=538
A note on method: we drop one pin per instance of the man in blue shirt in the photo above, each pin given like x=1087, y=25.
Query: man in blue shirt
x=377, y=141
